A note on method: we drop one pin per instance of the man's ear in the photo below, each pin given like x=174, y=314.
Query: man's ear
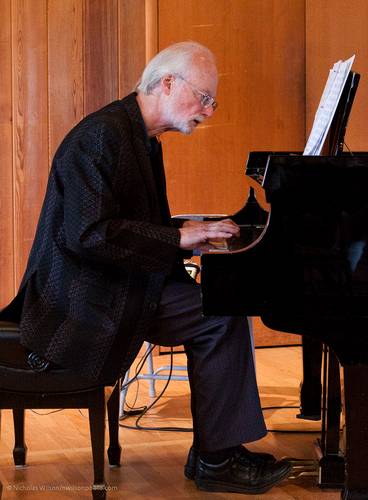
x=166, y=83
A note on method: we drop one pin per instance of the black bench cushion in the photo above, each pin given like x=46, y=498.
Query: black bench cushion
x=17, y=375
x=12, y=353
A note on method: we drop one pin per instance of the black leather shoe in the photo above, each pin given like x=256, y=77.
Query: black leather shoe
x=191, y=464
x=193, y=456
x=239, y=474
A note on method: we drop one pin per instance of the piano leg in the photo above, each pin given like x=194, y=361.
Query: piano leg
x=356, y=409
x=1, y=484
x=311, y=387
x=332, y=462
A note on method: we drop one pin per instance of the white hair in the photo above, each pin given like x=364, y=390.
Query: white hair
x=175, y=59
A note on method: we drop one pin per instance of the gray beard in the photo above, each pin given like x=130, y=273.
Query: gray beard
x=182, y=127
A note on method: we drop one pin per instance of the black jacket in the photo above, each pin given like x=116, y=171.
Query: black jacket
x=101, y=252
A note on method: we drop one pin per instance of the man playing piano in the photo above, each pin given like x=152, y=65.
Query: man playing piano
x=105, y=272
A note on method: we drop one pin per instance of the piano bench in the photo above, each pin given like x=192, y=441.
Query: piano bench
x=27, y=381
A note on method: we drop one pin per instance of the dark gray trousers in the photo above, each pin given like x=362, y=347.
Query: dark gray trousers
x=225, y=404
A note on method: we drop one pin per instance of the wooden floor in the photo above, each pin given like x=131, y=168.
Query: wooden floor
x=59, y=457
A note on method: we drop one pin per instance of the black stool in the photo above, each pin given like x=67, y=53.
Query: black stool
x=22, y=387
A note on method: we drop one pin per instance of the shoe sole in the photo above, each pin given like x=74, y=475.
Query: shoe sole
x=208, y=485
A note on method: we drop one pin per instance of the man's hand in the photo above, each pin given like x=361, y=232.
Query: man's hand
x=198, y=234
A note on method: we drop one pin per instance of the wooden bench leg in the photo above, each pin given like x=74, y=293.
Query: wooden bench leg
x=97, y=429
x=20, y=448
x=114, y=450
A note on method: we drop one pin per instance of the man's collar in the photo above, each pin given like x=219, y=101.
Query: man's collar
x=131, y=105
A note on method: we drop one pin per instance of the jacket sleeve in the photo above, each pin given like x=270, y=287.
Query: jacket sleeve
x=95, y=227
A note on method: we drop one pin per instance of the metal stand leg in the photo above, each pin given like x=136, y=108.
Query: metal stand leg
x=123, y=394
x=151, y=375
x=150, y=371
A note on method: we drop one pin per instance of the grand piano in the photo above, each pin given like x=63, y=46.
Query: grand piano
x=302, y=266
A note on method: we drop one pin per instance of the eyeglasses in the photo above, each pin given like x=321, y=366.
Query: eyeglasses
x=206, y=99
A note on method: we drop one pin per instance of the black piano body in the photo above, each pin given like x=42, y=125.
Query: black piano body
x=303, y=268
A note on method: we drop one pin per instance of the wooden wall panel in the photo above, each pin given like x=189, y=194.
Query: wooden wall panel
x=65, y=68
x=30, y=98
x=101, y=50
x=60, y=59
x=337, y=29
x=6, y=178
x=132, y=47
x=260, y=51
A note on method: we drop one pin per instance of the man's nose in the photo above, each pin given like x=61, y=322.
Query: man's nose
x=208, y=112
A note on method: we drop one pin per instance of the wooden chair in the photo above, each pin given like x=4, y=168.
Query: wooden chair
x=23, y=386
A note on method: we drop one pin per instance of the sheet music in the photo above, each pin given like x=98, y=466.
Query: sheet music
x=327, y=106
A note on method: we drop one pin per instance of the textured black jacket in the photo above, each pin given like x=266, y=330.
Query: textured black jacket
x=101, y=252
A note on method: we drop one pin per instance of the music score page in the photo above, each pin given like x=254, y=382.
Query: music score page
x=327, y=106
